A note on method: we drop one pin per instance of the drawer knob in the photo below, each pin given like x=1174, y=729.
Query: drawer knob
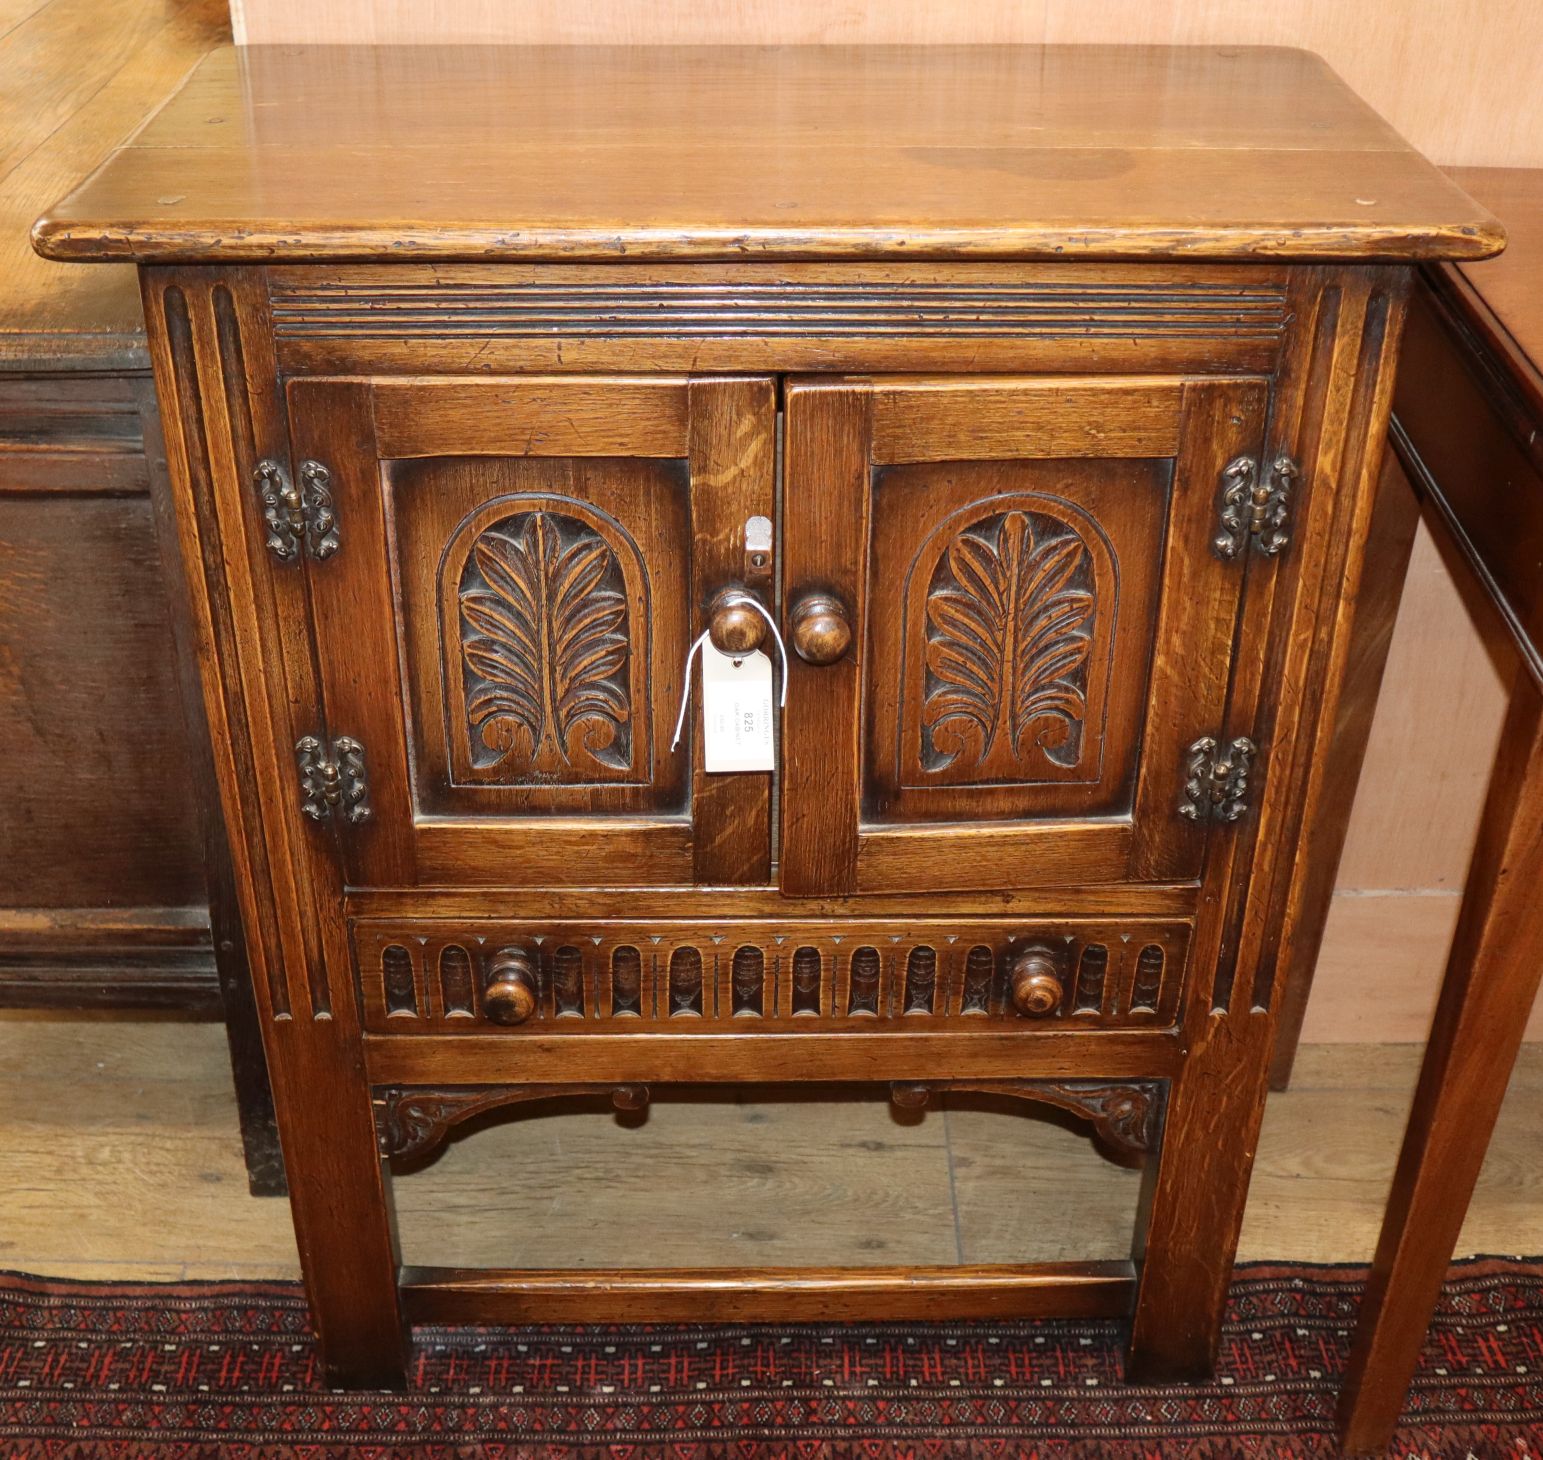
x=1036, y=983
x=821, y=627
x=734, y=624
x=510, y=997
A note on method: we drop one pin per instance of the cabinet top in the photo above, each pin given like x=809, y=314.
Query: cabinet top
x=280, y=153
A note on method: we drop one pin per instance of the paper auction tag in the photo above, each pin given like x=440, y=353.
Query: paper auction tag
x=737, y=733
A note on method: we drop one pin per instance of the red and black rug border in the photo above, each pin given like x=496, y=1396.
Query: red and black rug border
x=227, y=1367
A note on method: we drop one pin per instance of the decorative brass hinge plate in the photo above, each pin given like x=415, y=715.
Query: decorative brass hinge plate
x=332, y=780
x=299, y=517
x=1217, y=787
x=1255, y=508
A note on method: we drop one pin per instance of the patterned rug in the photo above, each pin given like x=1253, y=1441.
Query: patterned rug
x=229, y=1370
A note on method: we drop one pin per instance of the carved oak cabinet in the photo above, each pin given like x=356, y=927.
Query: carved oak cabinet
x=1035, y=394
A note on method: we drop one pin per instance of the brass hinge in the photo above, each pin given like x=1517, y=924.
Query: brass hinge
x=1217, y=787
x=298, y=515
x=1255, y=507
x=332, y=779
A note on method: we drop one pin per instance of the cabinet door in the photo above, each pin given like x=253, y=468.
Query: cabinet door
x=1039, y=627
x=521, y=568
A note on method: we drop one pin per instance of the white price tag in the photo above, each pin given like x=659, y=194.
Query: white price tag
x=737, y=732
x=737, y=729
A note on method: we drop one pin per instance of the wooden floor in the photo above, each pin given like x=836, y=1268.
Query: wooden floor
x=119, y=1157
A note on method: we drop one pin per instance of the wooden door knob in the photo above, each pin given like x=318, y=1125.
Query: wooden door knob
x=1036, y=983
x=734, y=624
x=821, y=628
x=510, y=997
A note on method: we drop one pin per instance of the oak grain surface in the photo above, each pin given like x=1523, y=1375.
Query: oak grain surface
x=727, y=152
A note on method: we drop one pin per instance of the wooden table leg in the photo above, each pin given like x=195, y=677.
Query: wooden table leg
x=1492, y=976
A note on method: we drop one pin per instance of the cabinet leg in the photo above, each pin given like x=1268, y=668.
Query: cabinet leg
x=340, y=1200
x=1193, y=1206
x=1491, y=980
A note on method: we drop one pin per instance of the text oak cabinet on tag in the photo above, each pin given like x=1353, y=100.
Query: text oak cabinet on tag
x=1035, y=436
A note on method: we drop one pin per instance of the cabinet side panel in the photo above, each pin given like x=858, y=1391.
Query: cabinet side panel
x=222, y=413
x=1331, y=416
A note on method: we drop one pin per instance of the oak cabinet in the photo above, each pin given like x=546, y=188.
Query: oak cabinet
x=1041, y=449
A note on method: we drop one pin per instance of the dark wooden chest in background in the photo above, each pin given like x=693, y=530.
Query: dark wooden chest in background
x=114, y=881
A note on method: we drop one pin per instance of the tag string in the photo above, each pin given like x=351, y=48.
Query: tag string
x=685, y=692
x=696, y=648
x=782, y=649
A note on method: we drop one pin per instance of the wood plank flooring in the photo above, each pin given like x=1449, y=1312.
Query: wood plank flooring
x=119, y=1157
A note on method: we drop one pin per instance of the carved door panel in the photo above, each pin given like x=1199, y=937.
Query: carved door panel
x=522, y=566
x=1039, y=627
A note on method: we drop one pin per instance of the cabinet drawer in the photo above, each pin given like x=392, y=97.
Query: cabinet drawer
x=742, y=976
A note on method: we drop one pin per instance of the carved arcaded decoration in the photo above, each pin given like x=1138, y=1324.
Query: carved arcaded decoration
x=921, y=979
x=867, y=975
x=545, y=645
x=413, y=1122
x=747, y=980
x=1010, y=612
x=1148, y=983
x=1127, y=1116
x=808, y=971
x=1092, y=966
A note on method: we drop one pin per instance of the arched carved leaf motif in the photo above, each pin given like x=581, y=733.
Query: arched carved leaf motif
x=546, y=645
x=1009, y=624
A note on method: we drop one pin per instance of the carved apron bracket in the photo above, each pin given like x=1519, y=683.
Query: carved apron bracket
x=1127, y=1116
x=415, y=1121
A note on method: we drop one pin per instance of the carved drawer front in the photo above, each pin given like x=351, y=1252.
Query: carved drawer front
x=621, y=977
x=503, y=624
x=1012, y=588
